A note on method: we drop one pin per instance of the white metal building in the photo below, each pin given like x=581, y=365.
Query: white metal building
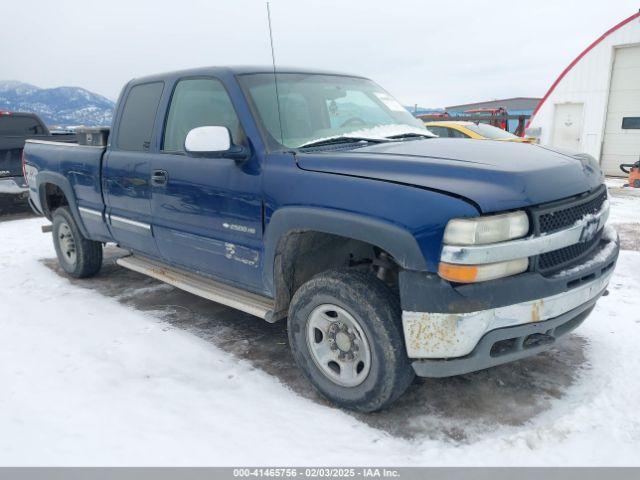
x=594, y=105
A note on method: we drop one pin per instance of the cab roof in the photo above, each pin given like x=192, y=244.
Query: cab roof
x=227, y=71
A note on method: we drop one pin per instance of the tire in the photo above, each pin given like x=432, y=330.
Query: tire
x=363, y=367
x=78, y=256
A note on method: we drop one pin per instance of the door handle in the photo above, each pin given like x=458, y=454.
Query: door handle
x=159, y=177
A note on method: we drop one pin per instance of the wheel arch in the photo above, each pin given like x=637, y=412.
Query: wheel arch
x=48, y=181
x=289, y=222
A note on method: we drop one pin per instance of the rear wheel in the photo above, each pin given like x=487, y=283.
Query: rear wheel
x=77, y=255
x=345, y=333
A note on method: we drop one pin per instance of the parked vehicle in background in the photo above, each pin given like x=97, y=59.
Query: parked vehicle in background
x=477, y=131
x=434, y=116
x=15, y=128
x=391, y=253
x=492, y=116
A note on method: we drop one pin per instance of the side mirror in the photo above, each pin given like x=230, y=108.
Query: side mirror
x=212, y=141
x=202, y=140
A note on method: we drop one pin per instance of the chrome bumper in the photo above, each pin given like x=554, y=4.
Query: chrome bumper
x=450, y=335
x=11, y=187
x=505, y=345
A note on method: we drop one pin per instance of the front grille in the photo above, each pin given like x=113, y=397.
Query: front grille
x=565, y=216
x=560, y=215
x=558, y=259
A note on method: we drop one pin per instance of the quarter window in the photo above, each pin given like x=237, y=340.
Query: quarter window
x=138, y=116
x=195, y=103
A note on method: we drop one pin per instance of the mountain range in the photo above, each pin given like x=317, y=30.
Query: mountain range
x=61, y=106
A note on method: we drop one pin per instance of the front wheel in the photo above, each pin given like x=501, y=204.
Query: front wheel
x=346, y=335
x=77, y=255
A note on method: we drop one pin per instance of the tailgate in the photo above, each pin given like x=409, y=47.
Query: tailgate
x=11, y=156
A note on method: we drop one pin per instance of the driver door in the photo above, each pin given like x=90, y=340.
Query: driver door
x=206, y=211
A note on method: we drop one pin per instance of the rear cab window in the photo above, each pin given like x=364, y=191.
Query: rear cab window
x=20, y=125
x=138, y=117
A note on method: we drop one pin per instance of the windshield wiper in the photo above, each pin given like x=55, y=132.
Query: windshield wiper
x=346, y=139
x=411, y=135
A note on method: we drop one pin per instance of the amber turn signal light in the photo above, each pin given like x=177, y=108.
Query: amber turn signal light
x=458, y=273
x=481, y=273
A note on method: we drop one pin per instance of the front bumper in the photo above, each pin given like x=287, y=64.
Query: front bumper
x=505, y=345
x=453, y=337
x=13, y=186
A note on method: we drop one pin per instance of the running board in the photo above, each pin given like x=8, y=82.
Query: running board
x=248, y=302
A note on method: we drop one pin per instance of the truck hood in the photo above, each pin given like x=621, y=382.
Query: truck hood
x=496, y=176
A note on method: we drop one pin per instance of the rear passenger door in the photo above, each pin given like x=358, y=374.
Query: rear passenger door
x=207, y=211
x=126, y=170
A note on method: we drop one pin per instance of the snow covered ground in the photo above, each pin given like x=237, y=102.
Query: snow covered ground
x=625, y=212
x=108, y=372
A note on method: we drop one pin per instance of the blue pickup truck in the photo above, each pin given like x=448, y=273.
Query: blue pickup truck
x=317, y=198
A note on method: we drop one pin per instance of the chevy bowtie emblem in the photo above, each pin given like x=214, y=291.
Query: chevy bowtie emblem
x=589, y=230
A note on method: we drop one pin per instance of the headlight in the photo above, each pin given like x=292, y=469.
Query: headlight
x=482, y=231
x=489, y=229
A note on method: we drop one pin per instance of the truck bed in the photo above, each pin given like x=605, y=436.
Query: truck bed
x=11, y=150
x=79, y=164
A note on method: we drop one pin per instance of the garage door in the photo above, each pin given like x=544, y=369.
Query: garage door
x=622, y=127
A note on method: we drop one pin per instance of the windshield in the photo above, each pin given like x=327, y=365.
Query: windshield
x=320, y=107
x=489, y=131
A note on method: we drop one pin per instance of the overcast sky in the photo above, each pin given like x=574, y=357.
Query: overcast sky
x=434, y=53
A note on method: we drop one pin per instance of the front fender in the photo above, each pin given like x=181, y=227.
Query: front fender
x=399, y=242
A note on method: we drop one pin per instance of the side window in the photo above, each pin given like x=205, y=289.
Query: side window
x=138, y=116
x=441, y=132
x=195, y=103
x=456, y=134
